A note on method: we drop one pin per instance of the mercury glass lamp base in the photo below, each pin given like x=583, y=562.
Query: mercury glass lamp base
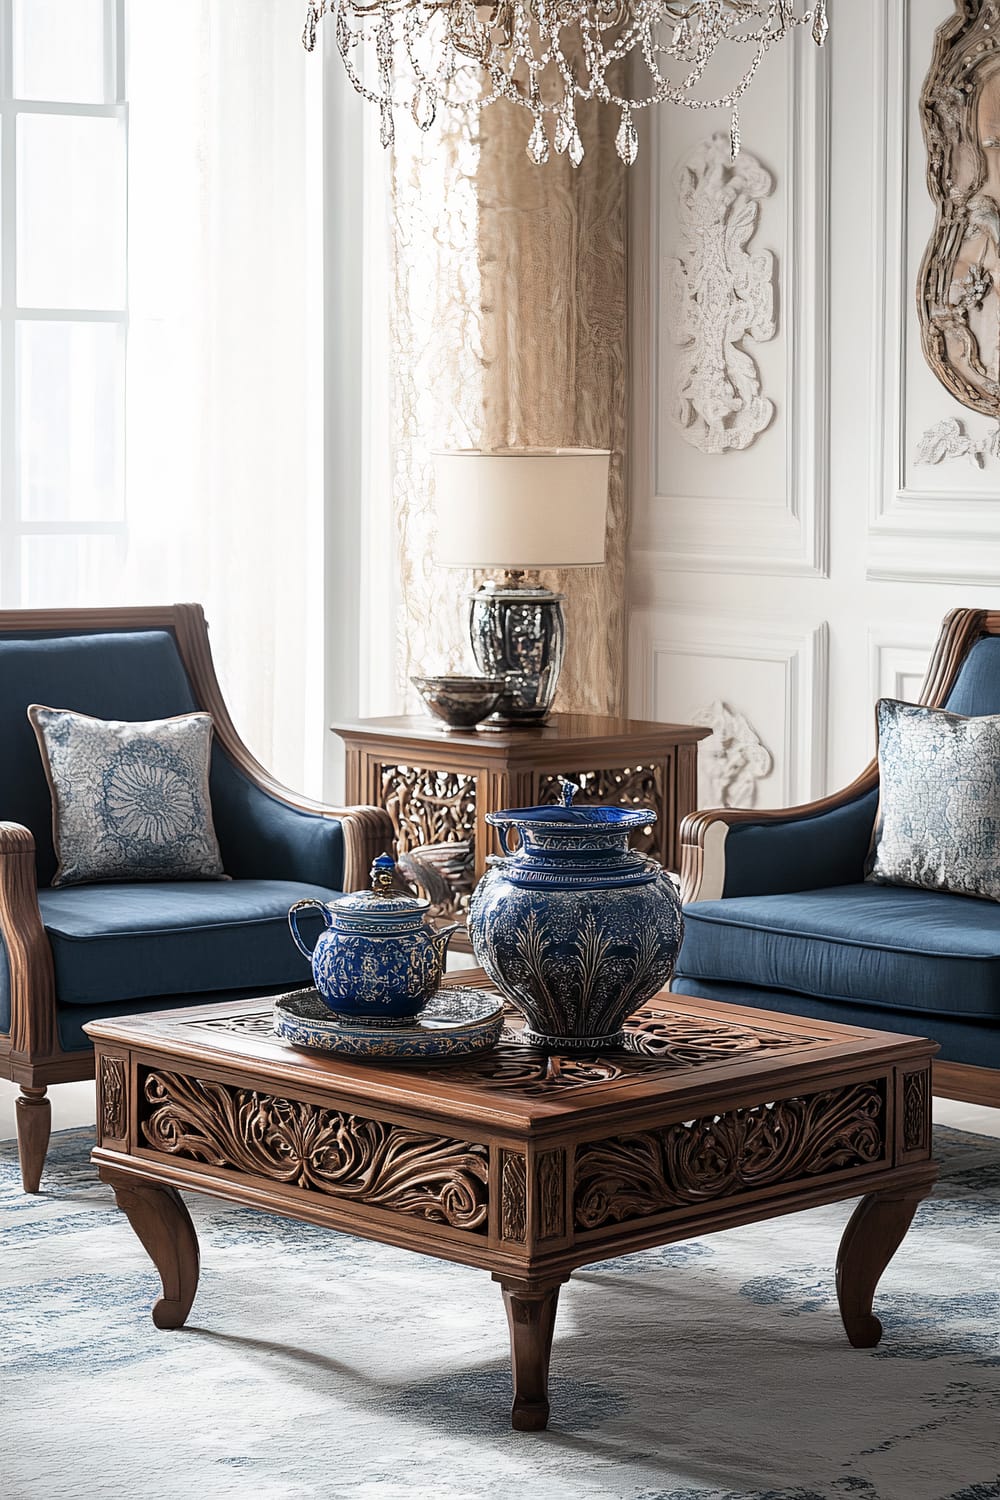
x=519, y=634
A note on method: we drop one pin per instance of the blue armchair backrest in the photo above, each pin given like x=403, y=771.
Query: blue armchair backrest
x=127, y=674
x=977, y=687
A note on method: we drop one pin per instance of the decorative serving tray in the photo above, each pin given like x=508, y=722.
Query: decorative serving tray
x=454, y=1023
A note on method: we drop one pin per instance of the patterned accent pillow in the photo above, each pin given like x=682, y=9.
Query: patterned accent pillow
x=130, y=801
x=938, y=824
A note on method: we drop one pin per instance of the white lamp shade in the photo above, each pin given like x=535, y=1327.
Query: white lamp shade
x=521, y=508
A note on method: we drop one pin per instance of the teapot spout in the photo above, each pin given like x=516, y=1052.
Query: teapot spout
x=440, y=939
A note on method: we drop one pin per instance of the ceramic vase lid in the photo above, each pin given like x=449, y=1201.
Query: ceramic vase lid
x=563, y=818
x=382, y=906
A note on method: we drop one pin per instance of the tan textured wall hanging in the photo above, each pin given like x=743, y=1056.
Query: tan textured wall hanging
x=958, y=292
x=552, y=268
x=508, y=327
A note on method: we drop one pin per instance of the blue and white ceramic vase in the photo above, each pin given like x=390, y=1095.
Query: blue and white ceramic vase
x=376, y=959
x=575, y=928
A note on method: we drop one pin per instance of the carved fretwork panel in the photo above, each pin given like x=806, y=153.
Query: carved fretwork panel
x=916, y=1111
x=428, y=806
x=434, y=819
x=318, y=1150
x=624, y=786
x=113, y=1116
x=656, y=1042
x=259, y=1023
x=720, y=1156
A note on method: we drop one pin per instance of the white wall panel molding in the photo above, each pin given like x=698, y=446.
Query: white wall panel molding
x=916, y=533
x=787, y=533
x=777, y=677
x=898, y=655
x=720, y=297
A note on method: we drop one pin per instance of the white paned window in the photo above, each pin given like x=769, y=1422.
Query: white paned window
x=63, y=307
x=193, y=468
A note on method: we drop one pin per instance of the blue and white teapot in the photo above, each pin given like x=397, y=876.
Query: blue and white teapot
x=377, y=958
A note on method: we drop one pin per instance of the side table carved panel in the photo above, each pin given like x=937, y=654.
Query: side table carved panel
x=624, y=786
x=438, y=786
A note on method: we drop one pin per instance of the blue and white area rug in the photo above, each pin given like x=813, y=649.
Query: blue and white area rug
x=317, y=1366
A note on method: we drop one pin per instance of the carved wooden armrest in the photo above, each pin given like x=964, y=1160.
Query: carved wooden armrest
x=29, y=955
x=704, y=835
x=368, y=832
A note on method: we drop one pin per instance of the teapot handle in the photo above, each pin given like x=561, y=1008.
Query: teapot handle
x=294, y=925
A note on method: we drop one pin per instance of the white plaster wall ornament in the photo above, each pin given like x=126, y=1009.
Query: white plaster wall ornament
x=719, y=294
x=733, y=761
x=948, y=439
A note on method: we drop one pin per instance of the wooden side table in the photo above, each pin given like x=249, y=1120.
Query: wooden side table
x=438, y=785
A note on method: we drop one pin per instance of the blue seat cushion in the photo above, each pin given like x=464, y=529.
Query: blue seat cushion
x=123, y=941
x=961, y=1039
x=914, y=950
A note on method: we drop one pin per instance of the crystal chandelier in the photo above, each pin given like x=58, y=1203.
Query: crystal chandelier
x=548, y=54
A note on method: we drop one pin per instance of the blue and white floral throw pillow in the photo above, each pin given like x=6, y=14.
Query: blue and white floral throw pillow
x=130, y=801
x=938, y=824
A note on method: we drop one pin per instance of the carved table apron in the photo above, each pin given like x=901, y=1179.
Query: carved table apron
x=525, y=1166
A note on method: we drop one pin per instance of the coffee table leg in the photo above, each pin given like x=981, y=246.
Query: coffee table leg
x=157, y=1214
x=531, y=1317
x=872, y=1237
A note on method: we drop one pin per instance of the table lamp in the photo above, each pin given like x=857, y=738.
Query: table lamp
x=520, y=509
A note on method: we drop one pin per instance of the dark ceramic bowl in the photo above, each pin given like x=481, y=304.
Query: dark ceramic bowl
x=459, y=701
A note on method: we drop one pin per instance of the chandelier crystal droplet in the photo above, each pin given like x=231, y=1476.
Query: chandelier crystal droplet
x=548, y=54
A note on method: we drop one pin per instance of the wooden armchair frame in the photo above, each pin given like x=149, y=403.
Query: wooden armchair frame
x=31, y=1054
x=703, y=834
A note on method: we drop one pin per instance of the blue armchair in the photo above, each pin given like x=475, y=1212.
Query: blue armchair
x=778, y=914
x=75, y=953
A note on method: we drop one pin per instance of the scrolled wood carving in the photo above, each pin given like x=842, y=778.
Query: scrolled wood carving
x=682, y=1041
x=958, y=292
x=656, y=1041
x=322, y=1150
x=112, y=1089
x=428, y=806
x=631, y=1177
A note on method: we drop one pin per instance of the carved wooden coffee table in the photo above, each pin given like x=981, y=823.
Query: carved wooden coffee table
x=524, y=1166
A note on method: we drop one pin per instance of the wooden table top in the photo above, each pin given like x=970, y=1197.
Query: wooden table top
x=680, y=1049
x=572, y=731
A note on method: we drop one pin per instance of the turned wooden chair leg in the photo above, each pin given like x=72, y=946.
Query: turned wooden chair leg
x=34, y=1126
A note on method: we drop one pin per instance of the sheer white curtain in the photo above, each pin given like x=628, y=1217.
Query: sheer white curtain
x=224, y=368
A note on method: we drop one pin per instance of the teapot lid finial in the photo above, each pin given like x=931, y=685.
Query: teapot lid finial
x=569, y=790
x=383, y=873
